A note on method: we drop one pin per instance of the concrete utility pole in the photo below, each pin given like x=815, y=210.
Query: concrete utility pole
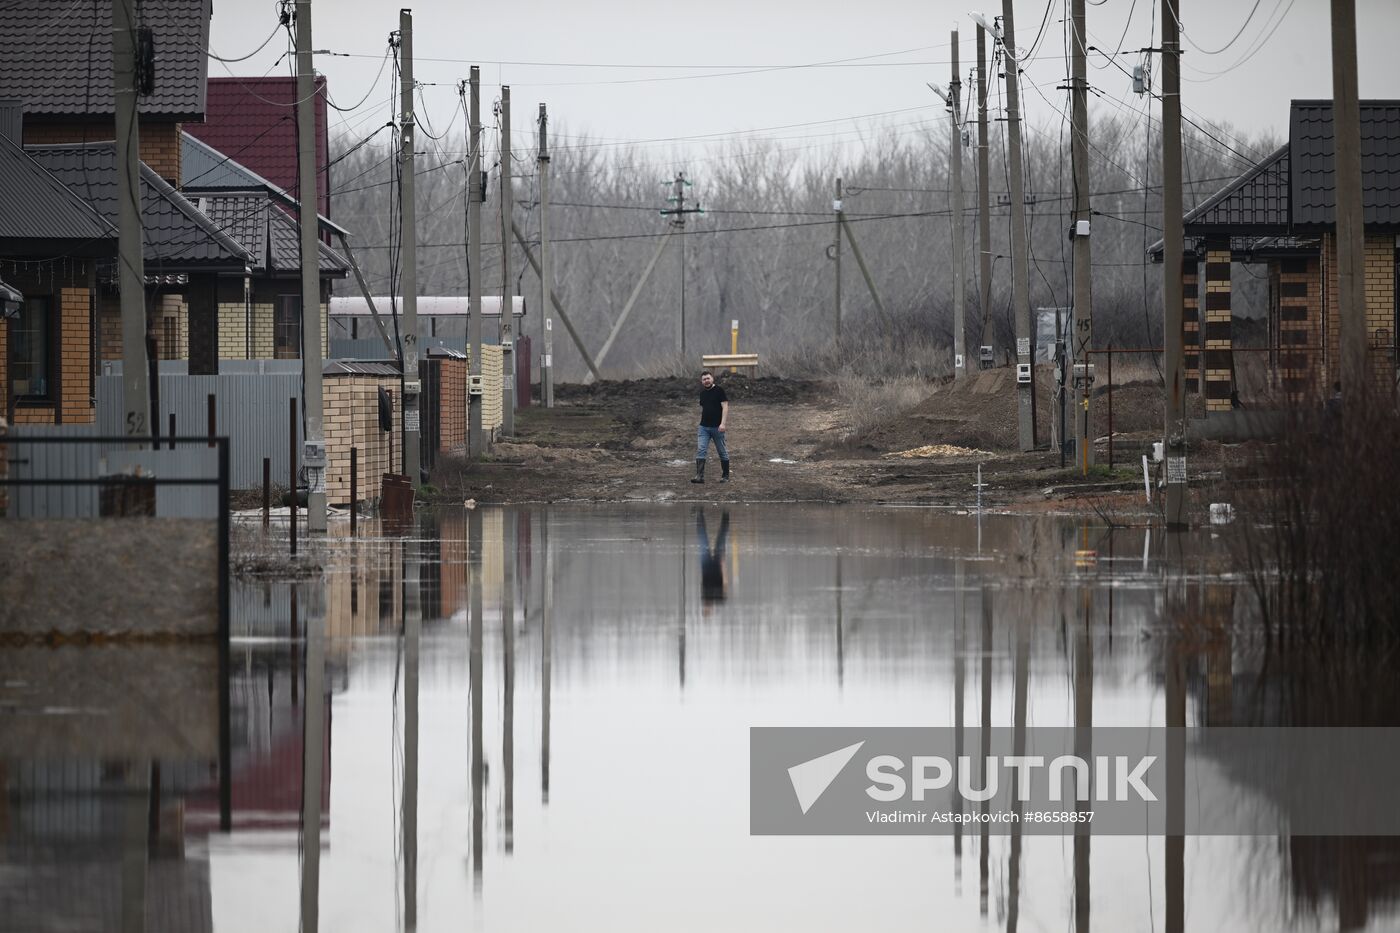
x=546, y=318
x=984, y=216
x=1020, y=272
x=507, y=334
x=953, y=99
x=1351, y=235
x=475, y=195
x=1172, y=223
x=131, y=276
x=1082, y=338
x=314, y=455
x=836, y=207
x=677, y=215
x=409, y=254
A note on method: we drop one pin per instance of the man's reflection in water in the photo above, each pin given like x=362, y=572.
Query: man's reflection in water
x=711, y=560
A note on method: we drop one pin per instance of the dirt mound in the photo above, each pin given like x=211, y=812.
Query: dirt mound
x=981, y=413
x=739, y=387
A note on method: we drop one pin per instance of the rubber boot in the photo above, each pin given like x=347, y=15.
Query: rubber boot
x=724, y=465
x=699, y=476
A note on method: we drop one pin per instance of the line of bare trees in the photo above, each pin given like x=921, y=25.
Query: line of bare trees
x=760, y=252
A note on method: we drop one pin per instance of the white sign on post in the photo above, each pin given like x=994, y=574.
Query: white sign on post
x=411, y=419
x=1176, y=470
x=1023, y=346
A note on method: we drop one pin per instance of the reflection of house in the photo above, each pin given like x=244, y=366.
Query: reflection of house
x=1281, y=213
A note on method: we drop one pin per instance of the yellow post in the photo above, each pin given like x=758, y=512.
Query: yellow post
x=734, y=341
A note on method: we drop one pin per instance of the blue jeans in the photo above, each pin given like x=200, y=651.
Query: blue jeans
x=702, y=443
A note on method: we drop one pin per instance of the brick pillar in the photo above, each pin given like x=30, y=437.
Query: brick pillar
x=1191, y=321
x=1219, y=364
x=1300, y=327
x=203, y=301
x=1380, y=309
x=75, y=360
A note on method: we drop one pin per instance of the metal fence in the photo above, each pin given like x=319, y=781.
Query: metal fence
x=250, y=409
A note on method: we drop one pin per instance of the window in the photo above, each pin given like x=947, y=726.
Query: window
x=286, y=328
x=31, y=350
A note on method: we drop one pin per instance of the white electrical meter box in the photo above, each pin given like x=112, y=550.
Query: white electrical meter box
x=313, y=455
x=413, y=387
x=476, y=385
x=1023, y=372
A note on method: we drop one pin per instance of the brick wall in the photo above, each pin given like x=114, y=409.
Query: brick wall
x=75, y=349
x=452, y=405
x=1379, y=289
x=1191, y=322
x=1219, y=368
x=1298, y=284
x=351, y=407
x=263, y=318
x=233, y=331
x=492, y=368
x=160, y=142
x=109, y=324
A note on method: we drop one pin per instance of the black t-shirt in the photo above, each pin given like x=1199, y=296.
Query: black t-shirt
x=710, y=412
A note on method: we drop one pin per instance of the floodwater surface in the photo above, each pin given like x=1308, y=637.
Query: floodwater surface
x=537, y=718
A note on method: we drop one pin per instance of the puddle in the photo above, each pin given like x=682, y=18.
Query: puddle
x=578, y=760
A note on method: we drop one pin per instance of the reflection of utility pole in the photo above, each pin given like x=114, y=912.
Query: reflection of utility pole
x=412, y=636
x=677, y=214
x=1172, y=227
x=546, y=650
x=1020, y=684
x=312, y=761
x=959, y=707
x=985, y=751
x=1083, y=743
x=508, y=674
x=477, y=621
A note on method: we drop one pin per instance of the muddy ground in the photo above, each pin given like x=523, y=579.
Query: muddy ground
x=795, y=441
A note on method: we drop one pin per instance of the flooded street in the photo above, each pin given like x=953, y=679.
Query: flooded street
x=579, y=760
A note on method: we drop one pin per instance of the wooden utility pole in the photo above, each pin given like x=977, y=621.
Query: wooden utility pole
x=131, y=275
x=507, y=322
x=1082, y=336
x=836, y=208
x=547, y=319
x=959, y=262
x=1174, y=439
x=1351, y=235
x=475, y=195
x=1020, y=271
x=984, y=216
x=314, y=456
x=408, y=218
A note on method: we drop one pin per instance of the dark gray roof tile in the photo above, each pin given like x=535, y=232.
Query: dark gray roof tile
x=1313, y=197
x=58, y=58
x=39, y=211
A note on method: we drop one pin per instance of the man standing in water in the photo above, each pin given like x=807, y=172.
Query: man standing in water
x=714, y=419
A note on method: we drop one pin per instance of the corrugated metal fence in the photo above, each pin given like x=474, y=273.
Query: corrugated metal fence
x=252, y=410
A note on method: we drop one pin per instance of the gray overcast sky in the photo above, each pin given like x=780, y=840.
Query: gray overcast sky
x=750, y=67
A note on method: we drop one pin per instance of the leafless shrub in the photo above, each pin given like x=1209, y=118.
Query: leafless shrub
x=1321, y=529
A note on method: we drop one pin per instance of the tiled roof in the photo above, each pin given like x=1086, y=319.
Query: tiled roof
x=244, y=218
x=254, y=121
x=207, y=170
x=1314, y=153
x=57, y=58
x=285, y=247
x=177, y=237
x=1256, y=202
x=40, y=214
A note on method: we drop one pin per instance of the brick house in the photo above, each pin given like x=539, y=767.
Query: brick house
x=1281, y=214
x=52, y=246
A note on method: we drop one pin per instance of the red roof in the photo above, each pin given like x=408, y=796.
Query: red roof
x=253, y=121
